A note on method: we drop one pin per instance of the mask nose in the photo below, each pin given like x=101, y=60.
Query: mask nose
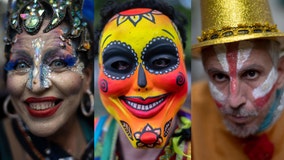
x=142, y=81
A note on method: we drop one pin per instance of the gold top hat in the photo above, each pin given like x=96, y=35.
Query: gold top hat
x=226, y=21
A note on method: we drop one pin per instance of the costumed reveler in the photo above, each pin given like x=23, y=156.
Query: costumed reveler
x=49, y=71
x=143, y=83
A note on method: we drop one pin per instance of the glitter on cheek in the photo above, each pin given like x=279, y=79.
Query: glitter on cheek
x=267, y=85
x=78, y=68
x=220, y=50
x=217, y=95
x=245, y=48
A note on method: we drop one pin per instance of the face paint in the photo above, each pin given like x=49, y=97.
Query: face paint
x=142, y=75
x=217, y=95
x=245, y=91
x=231, y=63
x=263, y=91
x=37, y=69
x=221, y=55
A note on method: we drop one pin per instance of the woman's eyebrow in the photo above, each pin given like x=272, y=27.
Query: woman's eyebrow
x=23, y=53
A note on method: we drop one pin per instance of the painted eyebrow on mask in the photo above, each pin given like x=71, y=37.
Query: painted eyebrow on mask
x=106, y=39
x=169, y=33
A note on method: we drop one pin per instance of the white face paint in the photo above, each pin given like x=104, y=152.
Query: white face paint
x=244, y=51
x=217, y=95
x=267, y=85
x=221, y=51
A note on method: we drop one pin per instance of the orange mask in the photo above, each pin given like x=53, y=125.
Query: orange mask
x=142, y=77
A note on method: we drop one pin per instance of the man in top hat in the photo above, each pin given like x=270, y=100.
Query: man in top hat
x=237, y=114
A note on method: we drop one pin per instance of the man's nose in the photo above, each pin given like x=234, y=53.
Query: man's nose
x=236, y=97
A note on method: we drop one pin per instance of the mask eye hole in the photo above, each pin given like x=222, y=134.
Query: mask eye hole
x=119, y=60
x=120, y=65
x=160, y=56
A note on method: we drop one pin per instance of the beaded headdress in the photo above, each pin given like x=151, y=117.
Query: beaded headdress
x=226, y=21
x=29, y=15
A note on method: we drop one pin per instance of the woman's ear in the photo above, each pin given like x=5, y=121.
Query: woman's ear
x=88, y=76
x=280, y=69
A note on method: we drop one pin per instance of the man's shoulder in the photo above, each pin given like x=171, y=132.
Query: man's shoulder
x=200, y=93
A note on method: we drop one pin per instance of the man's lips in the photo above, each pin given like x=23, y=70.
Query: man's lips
x=42, y=107
x=144, y=108
x=240, y=119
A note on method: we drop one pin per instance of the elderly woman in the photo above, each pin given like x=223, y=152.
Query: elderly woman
x=49, y=71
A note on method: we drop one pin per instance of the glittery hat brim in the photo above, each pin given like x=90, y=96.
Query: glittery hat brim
x=197, y=48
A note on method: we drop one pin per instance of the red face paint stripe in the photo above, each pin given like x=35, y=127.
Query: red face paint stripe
x=232, y=58
x=219, y=104
x=260, y=102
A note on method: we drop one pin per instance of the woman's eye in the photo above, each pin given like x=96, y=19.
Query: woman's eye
x=220, y=77
x=161, y=62
x=251, y=74
x=21, y=66
x=57, y=64
x=120, y=65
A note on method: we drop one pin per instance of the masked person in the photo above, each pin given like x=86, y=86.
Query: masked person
x=143, y=83
x=49, y=71
x=238, y=113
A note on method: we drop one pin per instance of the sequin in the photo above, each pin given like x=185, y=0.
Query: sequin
x=32, y=21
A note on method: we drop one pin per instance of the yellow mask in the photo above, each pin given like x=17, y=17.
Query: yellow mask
x=142, y=77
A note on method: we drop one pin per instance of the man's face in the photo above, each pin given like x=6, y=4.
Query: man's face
x=142, y=74
x=242, y=83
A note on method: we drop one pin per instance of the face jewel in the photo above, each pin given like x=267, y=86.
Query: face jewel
x=32, y=21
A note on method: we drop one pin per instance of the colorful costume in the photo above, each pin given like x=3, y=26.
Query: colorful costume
x=237, y=114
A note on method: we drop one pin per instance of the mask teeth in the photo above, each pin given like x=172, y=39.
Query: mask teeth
x=42, y=105
x=143, y=107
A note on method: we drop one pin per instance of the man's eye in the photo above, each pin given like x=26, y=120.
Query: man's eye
x=58, y=64
x=120, y=65
x=161, y=62
x=220, y=77
x=251, y=74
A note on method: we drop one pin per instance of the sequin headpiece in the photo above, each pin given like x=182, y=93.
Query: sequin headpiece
x=29, y=15
x=226, y=21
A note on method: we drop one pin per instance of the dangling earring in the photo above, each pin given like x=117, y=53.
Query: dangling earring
x=92, y=103
x=6, y=102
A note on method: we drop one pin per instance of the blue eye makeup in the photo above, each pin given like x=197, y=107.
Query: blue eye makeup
x=19, y=65
x=58, y=60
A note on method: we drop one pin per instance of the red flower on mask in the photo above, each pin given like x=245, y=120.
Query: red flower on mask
x=149, y=137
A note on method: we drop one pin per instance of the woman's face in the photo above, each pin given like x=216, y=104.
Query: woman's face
x=142, y=76
x=45, y=80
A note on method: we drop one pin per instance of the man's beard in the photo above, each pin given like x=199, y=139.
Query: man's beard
x=241, y=130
